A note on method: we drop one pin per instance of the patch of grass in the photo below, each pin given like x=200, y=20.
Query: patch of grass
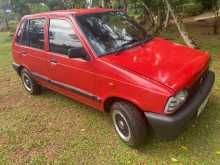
x=53, y=129
x=38, y=160
x=4, y=159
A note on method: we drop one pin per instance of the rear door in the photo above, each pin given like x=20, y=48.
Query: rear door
x=37, y=57
x=30, y=46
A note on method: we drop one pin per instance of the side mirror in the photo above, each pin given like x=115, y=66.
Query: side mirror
x=78, y=53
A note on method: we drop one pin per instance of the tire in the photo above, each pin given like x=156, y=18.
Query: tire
x=130, y=124
x=30, y=85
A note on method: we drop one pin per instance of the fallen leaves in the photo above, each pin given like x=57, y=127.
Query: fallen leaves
x=218, y=152
x=174, y=159
x=185, y=148
x=83, y=130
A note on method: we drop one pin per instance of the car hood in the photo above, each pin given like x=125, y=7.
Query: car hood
x=173, y=65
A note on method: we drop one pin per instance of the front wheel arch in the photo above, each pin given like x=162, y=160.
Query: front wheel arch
x=111, y=100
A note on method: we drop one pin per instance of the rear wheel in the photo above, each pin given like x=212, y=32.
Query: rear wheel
x=129, y=123
x=30, y=85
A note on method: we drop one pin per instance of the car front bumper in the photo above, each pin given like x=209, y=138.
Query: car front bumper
x=170, y=126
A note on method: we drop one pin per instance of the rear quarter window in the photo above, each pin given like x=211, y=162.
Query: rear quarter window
x=19, y=36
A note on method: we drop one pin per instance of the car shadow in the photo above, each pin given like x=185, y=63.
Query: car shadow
x=196, y=132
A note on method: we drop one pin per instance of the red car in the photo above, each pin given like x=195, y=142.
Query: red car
x=104, y=59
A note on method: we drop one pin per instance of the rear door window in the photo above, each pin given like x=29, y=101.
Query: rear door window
x=31, y=33
x=36, y=33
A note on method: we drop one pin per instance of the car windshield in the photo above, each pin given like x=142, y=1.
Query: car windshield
x=111, y=32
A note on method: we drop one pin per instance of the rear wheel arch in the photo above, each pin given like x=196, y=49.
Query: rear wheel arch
x=20, y=69
x=33, y=87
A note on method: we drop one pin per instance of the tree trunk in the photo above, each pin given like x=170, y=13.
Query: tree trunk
x=89, y=3
x=159, y=22
x=166, y=23
x=135, y=6
x=189, y=42
x=150, y=13
x=6, y=23
x=216, y=21
x=114, y=4
x=126, y=6
x=156, y=20
x=103, y=3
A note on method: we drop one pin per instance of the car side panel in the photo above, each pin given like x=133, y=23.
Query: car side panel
x=117, y=82
x=109, y=81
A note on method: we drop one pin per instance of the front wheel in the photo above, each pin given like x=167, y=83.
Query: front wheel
x=129, y=123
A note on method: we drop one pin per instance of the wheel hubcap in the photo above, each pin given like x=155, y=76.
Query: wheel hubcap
x=27, y=82
x=121, y=125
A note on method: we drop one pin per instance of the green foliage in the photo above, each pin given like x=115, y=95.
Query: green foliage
x=75, y=4
x=55, y=5
x=209, y=4
x=154, y=18
x=117, y=4
x=38, y=8
x=20, y=7
x=192, y=9
x=12, y=27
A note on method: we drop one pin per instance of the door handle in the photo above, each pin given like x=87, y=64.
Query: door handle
x=53, y=62
x=23, y=53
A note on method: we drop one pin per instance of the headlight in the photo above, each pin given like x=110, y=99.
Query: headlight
x=175, y=102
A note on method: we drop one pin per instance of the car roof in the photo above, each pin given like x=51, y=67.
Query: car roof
x=68, y=12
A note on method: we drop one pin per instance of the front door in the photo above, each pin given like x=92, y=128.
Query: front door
x=73, y=75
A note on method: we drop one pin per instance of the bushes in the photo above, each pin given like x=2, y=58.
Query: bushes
x=12, y=27
x=192, y=9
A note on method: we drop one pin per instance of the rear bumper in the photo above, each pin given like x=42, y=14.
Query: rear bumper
x=169, y=127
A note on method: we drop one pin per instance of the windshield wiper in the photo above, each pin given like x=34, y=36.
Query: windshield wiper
x=125, y=46
x=133, y=43
x=129, y=44
x=146, y=39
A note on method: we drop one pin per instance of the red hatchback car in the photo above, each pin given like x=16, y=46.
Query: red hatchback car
x=104, y=59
